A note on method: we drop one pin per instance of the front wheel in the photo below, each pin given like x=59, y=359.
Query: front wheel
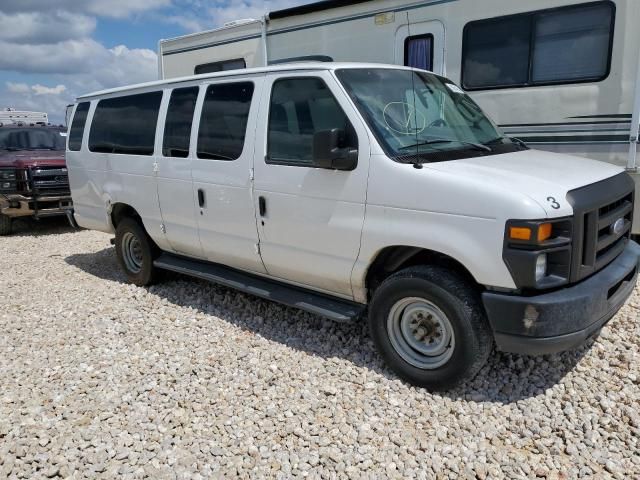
x=136, y=252
x=430, y=327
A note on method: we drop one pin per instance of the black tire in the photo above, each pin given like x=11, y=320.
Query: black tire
x=471, y=339
x=5, y=225
x=128, y=231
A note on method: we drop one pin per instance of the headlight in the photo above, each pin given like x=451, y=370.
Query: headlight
x=7, y=174
x=538, y=252
x=541, y=267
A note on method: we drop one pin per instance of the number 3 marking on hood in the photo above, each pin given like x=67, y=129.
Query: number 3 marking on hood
x=554, y=203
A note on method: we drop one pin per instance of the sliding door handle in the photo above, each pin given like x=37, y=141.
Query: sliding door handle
x=201, y=201
x=262, y=206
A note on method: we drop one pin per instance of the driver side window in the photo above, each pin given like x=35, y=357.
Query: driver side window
x=299, y=108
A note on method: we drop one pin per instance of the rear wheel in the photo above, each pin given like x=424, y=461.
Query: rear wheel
x=136, y=252
x=429, y=325
x=5, y=225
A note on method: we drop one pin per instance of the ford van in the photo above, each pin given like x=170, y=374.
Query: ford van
x=359, y=191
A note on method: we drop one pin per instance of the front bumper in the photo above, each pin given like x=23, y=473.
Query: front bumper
x=16, y=205
x=565, y=318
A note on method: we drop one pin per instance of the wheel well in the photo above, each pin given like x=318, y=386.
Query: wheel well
x=393, y=259
x=121, y=211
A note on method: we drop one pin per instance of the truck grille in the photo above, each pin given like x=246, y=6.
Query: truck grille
x=49, y=180
x=603, y=214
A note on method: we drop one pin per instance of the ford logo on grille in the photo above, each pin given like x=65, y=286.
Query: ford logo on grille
x=60, y=179
x=617, y=227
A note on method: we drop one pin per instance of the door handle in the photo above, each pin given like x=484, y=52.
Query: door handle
x=201, y=198
x=262, y=206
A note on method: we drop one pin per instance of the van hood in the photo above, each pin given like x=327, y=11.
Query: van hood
x=545, y=177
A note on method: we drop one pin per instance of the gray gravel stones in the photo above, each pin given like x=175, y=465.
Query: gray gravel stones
x=100, y=379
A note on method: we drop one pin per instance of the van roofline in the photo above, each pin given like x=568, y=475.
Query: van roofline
x=292, y=67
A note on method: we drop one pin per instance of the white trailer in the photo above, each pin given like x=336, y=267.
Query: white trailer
x=562, y=75
x=10, y=116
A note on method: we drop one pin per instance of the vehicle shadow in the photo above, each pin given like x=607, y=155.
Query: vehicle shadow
x=28, y=227
x=505, y=379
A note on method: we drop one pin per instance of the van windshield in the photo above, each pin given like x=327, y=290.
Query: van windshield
x=420, y=117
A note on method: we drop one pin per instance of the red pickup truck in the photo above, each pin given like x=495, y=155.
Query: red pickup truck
x=33, y=174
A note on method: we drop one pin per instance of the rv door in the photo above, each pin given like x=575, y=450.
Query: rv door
x=421, y=45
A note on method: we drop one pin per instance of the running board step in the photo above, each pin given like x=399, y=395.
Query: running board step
x=317, y=303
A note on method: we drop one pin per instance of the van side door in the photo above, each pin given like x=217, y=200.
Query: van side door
x=310, y=219
x=222, y=172
x=173, y=171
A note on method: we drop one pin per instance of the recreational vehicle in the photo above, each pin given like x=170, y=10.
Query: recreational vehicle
x=562, y=75
x=344, y=189
x=11, y=116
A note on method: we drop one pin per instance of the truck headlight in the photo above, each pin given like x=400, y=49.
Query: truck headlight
x=538, y=252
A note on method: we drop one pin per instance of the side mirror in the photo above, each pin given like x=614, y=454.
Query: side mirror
x=327, y=153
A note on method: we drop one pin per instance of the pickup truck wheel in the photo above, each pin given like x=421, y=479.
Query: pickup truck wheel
x=430, y=327
x=135, y=253
x=5, y=225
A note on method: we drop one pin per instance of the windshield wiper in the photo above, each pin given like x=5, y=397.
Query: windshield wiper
x=477, y=146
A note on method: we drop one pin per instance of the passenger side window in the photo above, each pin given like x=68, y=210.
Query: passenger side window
x=126, y=125
x=77, y=126
x=561, y=45
x=299, y=108
x=223, y=123
x=177, y=128
x=418, y=52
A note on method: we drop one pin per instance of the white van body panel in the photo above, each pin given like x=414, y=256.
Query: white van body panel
x=311, y=233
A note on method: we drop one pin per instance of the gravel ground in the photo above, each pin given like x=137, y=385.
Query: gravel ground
x=189, y=380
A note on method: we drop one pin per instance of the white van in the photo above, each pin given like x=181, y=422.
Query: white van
x=345, y=188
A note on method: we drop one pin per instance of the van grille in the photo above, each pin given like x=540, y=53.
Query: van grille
x=603, y=214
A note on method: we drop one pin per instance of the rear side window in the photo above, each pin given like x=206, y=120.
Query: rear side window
x=177, y=128
x=213, y=67
x=561, y=45
x=418, y=52
x=299, y=108
x=223, y=123
x=77, y=126
x=125, y=125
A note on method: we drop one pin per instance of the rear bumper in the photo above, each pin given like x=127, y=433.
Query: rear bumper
x=565, y=318
x=16, y=205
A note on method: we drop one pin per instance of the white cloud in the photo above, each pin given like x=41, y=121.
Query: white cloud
x=44, y=27
x=17, y=87
x=43, y=90
x=106, y=8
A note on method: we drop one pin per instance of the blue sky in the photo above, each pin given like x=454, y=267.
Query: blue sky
x=53, y=50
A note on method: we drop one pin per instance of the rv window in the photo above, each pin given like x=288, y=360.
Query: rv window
x=299, y=108
x=77, y=126
x=125, y=125
x=177, y=128
x=418, y=52
x=561, y=45
x=213, y=67
x=223, y=123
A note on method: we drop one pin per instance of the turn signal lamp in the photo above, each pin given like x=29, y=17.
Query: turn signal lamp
x=520, y=233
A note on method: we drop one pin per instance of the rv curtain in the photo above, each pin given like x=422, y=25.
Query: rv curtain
x=419, y=53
